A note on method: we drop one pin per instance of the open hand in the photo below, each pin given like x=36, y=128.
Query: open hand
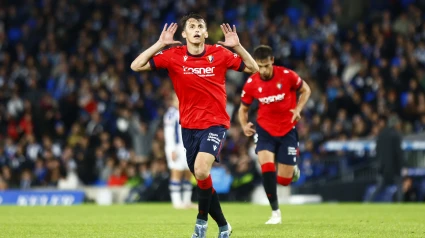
x=167, y=34
x=231, y=39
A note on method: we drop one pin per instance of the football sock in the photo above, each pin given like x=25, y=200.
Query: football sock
x=284, y=181
x=215, y=210
x=175, y=193
x=269, y=182
x=187, y=192
x=204, y=198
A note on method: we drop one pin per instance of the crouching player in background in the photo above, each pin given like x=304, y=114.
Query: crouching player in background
x=276, y=89
x=180, y=185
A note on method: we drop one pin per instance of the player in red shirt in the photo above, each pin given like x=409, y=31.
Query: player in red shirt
x=275, y=88
x=197, y=71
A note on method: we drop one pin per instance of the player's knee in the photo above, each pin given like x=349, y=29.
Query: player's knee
x=284, y=181
x=201, y=173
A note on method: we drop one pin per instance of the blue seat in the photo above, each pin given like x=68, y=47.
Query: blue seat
x=403, y=99
x=298, y=47
x=14, y=34
x=396, y=61
x=294, y=14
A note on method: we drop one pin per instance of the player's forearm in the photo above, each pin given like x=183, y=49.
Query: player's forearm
x=247, y=59
x=141, y=60
x=243, y=116
x=305, y=95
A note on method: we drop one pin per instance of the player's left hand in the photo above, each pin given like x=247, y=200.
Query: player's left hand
x=296, y=116
x=231, y=39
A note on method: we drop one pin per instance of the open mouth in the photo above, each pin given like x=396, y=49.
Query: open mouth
x=197, y=36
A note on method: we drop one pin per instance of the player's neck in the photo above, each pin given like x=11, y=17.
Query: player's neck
x=195, y=49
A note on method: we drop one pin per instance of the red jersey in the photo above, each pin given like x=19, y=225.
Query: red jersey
x=276, y=97
x=199, y=82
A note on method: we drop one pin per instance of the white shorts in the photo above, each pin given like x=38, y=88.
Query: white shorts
x=180, y=163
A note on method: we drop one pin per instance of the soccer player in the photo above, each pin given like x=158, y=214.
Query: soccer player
x=176, y=158
x=197, y=71
x=275, y=88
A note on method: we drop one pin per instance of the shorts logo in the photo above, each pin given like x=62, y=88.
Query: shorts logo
x=214, y=138
x=215, y=147
x=295, y=159
x=292, y=151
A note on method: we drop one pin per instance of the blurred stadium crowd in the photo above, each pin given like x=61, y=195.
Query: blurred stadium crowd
x=71, y=109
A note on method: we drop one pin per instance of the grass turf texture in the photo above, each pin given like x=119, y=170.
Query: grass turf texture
x=160, y=220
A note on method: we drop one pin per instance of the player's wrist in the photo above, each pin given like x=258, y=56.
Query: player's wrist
x=237, y=46
x=161, y=44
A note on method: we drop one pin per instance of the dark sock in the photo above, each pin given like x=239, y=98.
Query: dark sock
x=269, y=183
x=215, y=210
x=204, y=198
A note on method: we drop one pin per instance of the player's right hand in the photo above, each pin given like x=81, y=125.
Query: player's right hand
x=248, y=129
x=167, y=34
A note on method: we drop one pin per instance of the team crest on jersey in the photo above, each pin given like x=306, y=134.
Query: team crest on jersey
x=260, y=89
x=279, y=85
x=185, y=58
x=210, y=58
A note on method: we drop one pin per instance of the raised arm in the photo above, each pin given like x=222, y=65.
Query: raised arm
x=141, y=63
x=231, y=40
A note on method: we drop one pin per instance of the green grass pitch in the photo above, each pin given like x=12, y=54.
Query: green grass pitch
x=247, y=220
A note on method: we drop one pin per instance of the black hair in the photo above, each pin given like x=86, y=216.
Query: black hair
x=263, y=52
x=196, y=16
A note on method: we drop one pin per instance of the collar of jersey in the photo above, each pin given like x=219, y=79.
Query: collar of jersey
x=199, y=55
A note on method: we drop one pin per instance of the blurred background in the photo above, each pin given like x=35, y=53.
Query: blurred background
x=74, y=117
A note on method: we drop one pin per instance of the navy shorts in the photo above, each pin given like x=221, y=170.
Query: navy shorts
x=284, y=147
x=208, y=140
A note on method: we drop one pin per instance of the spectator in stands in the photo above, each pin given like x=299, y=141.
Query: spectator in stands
x=410, y=193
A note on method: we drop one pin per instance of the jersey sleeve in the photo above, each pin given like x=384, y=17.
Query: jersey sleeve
x=246, y=97
x=233, y=60
x=161, y=59
x=295, y=80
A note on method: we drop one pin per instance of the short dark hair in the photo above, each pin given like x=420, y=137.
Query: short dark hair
x=196, y=16
x=262, y=52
